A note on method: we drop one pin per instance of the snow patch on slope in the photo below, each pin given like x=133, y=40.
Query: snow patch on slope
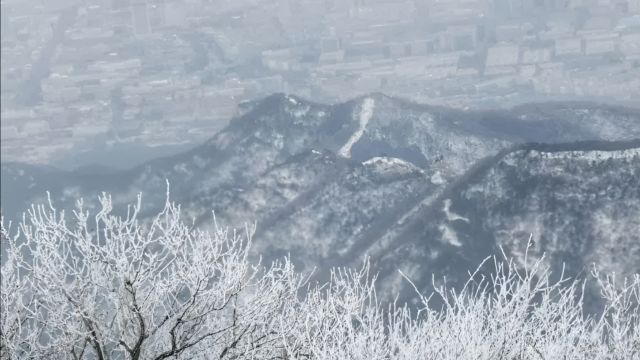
x=449, y=235
x=591, y=155
x=451, y=216
x=389, y=167
x=437, y=178
x=366, y=112
x=297, y=109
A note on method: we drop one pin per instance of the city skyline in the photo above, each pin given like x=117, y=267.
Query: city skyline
x=167, y=73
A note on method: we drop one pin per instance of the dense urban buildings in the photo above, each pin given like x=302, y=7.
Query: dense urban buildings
x=162, y=72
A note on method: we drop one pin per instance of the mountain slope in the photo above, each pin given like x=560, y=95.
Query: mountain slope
x=422, y=188
x=578, y=203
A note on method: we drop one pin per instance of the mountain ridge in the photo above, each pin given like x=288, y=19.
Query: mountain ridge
x=375, y=176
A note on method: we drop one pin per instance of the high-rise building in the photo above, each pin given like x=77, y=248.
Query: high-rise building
x=157, y=11
x=175, y=14
x=5, y=10
x=140, y=13
x=508, y=8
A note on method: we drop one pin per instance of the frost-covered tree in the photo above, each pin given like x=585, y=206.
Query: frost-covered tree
x=513, y=314
x=111, y=287
x=116, y=287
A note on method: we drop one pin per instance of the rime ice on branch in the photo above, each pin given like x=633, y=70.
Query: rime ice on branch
x=110, y=287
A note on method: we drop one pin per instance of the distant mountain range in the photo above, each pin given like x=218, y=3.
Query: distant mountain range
x=419, y=188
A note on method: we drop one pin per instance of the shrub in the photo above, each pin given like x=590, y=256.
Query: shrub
x=116, y=287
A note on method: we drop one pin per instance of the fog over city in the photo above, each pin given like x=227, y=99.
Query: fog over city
x=84, y=82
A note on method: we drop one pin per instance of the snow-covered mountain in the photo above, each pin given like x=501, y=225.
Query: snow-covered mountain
x=419, y=188
x=579, y=204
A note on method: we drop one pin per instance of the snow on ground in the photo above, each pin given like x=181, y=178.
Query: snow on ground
x=451, y=216
x=296, y=109
x=449, y=234
x=437, y=178
x=388, y=166
x=587, y=155
x=366, y=112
